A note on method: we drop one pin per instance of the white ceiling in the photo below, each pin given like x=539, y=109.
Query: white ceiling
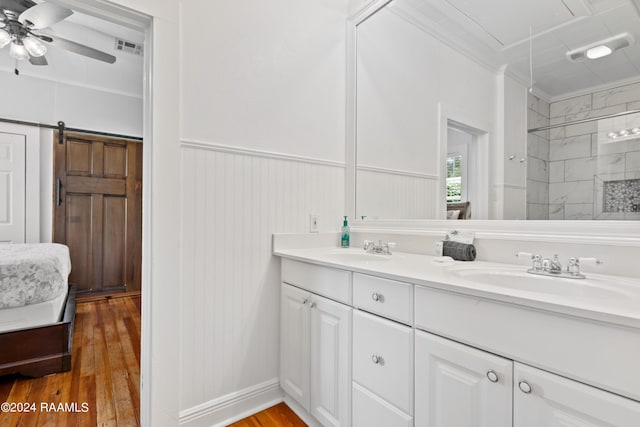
x=496, y=32
x=125, y=76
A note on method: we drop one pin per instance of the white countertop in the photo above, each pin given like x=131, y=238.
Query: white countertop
x=611, y=299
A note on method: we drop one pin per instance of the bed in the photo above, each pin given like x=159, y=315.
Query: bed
x=37, y=309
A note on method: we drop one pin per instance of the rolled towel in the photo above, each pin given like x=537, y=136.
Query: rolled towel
x=458, y=251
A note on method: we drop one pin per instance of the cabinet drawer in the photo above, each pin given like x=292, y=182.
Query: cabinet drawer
x=383, y=358
x=370, y=410
x=329, y=282
x=385, y=297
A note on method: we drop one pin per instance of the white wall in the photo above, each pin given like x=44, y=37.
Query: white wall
x=272, y=81
x=271, y=76
x=397, y=95
x=46, y=101
x=406, y=80
x=511, y=178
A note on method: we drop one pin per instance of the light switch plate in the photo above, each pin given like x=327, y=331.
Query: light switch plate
x=314, y=223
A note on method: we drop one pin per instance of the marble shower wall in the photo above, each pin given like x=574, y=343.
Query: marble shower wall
x=537, y=159
x=581, y=158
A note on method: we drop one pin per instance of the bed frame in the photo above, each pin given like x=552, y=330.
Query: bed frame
x=42, y=350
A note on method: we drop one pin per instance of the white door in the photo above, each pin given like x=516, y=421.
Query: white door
x=330, y=362
x=294, y=343
x=544, y=399
x=12, y=187
x=460, y=386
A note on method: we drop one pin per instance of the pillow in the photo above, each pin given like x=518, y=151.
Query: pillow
x=453, y=214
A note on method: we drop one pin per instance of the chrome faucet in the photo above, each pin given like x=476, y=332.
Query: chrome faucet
x=553, y=267
x=381, y=248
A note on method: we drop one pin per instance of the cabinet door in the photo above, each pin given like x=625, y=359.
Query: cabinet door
x=330, y=367
x=294, y=343
x=544, y=399
x=460, y=386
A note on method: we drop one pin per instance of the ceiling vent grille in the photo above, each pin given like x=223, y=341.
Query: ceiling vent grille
x=129, y=47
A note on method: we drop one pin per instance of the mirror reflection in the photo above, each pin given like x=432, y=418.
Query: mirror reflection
x=499, y=110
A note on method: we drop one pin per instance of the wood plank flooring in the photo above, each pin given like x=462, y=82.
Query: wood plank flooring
x=276, y=416
x=105, y=373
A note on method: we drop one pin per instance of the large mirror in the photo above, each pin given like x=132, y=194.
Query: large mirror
x=497, y=109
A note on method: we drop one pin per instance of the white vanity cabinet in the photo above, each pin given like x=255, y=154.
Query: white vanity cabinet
x=460, y=386
x=315, y=345
x=365, y=351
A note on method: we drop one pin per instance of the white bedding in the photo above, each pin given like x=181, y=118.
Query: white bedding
x=32, y=273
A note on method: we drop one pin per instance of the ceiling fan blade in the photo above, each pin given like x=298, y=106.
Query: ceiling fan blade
x=17, y=6
x=81, y=49
x=44, y=15
x=40, y=60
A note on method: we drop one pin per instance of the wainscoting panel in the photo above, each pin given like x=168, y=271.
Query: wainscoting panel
x=232, y=202
x=386, y=193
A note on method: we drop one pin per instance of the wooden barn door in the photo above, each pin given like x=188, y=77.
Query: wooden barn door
x=98, y=210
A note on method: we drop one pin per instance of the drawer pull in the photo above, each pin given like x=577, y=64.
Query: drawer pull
x=304, y=301
x=493, y=377
x=312, y=305
x=378, y=360
x=524, y=387
x=377, y=297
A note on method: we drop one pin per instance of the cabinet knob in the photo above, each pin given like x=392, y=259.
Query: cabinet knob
x=492, y=376
x=525, y=387
x=377, y=297
x=378, y=360
x=312, y=305
x=304, y=301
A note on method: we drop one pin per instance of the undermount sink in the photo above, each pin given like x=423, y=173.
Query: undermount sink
x=356, y=255
x=521, y=280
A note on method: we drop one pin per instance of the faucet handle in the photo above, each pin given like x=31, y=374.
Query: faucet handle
x=367, y=245
x=390, y=246
x=574, y=266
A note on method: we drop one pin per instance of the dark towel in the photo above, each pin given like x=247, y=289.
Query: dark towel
x=458, y=251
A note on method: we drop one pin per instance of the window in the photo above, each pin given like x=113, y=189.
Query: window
x=454, y=178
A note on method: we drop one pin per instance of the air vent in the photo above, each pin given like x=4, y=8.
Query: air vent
x=129, y=47
x=611, y=44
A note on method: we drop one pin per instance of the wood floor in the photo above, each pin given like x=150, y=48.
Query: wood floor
x=276, y=416
x=105, y=373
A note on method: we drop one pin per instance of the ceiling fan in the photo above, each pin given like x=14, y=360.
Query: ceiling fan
x=20, y=18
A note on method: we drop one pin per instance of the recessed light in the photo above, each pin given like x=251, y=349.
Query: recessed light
x=598, y=52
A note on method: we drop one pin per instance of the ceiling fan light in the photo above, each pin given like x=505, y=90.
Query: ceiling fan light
x=18, y=51
x=598, y=52
x=34, y=46
x=5, y=38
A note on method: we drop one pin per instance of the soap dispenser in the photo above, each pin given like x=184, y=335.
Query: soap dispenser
x=344, y=241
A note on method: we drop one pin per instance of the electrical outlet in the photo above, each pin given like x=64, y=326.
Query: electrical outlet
x=314, y=223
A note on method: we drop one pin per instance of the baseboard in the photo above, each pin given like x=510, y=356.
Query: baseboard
x=233, y=406
x=302, y=413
